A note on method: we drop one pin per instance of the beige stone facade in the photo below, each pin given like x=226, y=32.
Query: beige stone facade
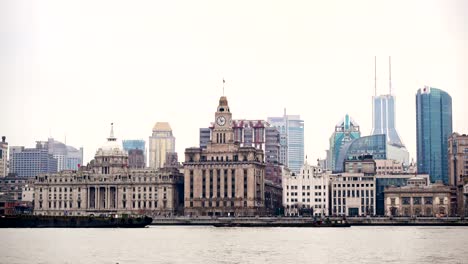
x=388, y=167
x=352, y=194
x=458, y=158
x=108, y=186
x=224, y=179
x=458, y=168
x=418, y=199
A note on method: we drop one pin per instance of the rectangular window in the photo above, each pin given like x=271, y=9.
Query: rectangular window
x=405, y=200
x=211, y=184
x=245, y=184
x=233, y=184
x=191, y=186
x=218, y=183
x=203, y=184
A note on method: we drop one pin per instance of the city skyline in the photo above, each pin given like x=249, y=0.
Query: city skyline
x=315, y=61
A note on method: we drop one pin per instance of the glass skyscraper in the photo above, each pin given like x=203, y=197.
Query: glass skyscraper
x=433, y=128
x=384, y=119
x=345, y=131
x=374, y=145
x=291, y=129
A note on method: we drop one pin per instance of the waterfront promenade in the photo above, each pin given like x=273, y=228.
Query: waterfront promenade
x=274, y=221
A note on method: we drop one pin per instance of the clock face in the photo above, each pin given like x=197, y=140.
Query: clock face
x=221, y=120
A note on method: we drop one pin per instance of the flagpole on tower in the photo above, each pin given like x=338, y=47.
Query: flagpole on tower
x=223, y=85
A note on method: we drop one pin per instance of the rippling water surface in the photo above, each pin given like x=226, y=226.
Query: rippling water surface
x=190, y=244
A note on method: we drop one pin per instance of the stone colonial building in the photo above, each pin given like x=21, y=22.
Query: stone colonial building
x=418, y=199
x=464, y=212
x=108, y=186
x=352, y=194
x=458, y=167
x=224, y=178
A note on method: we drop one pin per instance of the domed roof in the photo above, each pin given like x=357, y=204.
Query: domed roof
x=111, y=147
x=162, y=126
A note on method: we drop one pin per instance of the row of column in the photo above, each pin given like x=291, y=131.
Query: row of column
x=102, y=197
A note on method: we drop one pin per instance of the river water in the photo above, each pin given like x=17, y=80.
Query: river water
x=192, y=244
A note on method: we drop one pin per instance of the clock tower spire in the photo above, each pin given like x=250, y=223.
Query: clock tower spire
x=222, y=131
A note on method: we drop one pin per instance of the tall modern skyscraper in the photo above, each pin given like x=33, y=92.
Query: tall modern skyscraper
x=346, y=130
x=383, y=118
x=30, y=162
x=291, y=129
x=433, y=128
x=68, y=157
x=160, y=143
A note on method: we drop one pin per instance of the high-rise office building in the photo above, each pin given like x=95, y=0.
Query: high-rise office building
x=136, y=153
x=345, y=131
x=291, y=129
x=383, y=118
x=3, y=157
x=433, y=128
x=30, y=162
x=160, y=143
x=68, y=157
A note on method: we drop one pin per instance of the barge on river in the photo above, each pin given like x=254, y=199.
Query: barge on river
x=43, y=221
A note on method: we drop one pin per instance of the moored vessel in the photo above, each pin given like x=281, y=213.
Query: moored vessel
x=43, y=221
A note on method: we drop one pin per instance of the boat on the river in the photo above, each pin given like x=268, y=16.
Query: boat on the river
x=43, y=221
x=282, y=223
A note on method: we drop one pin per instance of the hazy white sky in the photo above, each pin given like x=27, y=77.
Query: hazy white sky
x=73, y=67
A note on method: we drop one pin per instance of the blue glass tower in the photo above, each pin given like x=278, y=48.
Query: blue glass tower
x=433, y=128
x=345, y=131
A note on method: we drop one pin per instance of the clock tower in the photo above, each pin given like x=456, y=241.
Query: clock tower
x=222, y=132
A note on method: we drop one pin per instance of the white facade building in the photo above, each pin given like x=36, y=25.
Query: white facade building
x=160, y=143
x=307, y=192
x=28, y=193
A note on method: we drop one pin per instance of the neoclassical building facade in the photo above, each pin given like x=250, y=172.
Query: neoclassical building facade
x=224, y=179
x=108, y=186
x=418, y=199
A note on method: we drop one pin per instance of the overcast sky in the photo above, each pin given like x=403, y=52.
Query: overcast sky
x=73, y=67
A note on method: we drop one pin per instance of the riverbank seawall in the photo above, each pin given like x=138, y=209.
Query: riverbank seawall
x=275, y=221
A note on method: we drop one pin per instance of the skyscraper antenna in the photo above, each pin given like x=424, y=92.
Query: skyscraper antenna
x=390, y=73
x=375, y=76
